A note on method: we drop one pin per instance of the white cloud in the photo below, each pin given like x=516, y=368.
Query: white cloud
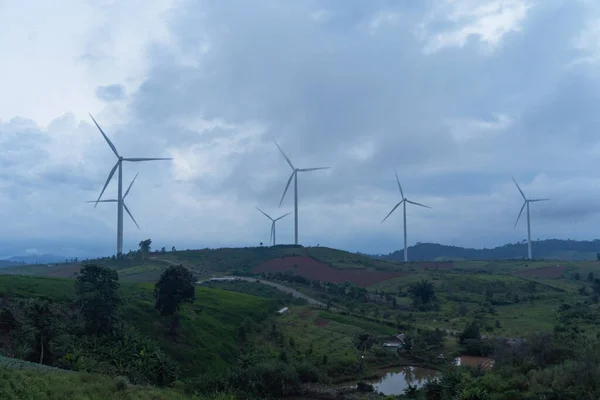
x=486, y=20
x=56, y=54
x=347, y=87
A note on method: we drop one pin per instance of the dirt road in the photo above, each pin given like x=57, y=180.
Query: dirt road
x=279, y=286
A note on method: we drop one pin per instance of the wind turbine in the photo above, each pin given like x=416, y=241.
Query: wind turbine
x=272, y=237
x=526, y=203
x=294, y=176
x=119, y=199
x=403, y=202
x=124, y=205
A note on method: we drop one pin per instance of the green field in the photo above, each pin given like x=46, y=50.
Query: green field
x=208, y=339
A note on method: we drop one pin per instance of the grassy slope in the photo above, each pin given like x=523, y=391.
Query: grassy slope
x=34, y=385
x=327, y=333
x=208, y=330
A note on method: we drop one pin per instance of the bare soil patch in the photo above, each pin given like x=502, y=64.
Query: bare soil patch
x=543, y=272
x=316, y=270
x=64, y=272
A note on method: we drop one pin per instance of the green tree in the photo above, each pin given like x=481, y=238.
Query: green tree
x=590, y=277
x=43, y=321
x=363, y=342
x=422, y=292
x=175, y=286
x=97, y=294
x=145, y=247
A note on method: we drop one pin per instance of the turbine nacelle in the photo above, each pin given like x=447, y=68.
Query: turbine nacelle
x=120, y=159
x=525, y=201
x=294, y=171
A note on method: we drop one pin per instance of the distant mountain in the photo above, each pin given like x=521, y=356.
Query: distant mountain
x=555, y=249
x=35, y=259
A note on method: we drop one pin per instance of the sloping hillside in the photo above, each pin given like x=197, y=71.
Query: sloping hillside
x=208, y=327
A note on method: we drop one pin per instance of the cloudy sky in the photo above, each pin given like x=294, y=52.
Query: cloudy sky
x=457, y=95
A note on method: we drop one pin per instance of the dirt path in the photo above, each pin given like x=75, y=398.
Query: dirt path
x=279, y=286
x=165, y=260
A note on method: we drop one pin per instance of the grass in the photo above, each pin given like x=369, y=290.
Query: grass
x=207, y=338
x=34, y=385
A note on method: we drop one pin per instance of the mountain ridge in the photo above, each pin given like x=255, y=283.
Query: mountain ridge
x=556, y=249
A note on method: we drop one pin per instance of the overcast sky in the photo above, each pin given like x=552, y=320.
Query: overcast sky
x=457, y=95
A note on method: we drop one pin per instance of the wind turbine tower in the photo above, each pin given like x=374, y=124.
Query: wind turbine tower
x=124, y=205
x=119, y=199
x=272, y=237
x=403, y=202
x=526, y=204
x=294, y=176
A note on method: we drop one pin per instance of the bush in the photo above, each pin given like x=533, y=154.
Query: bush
x=310, y=373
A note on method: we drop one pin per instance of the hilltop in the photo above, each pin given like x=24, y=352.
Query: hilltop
x=554, y=249
x=316, y=262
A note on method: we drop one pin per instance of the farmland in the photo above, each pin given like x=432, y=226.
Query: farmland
x=312, y=269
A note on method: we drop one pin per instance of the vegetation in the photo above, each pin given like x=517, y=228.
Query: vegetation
x=225, y=336
x=555, y=249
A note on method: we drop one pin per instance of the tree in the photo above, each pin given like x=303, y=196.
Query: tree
x=42, y=318
x=145, y=246
x=96, y=288
x=471, y=332
x=598, y=256
x=422, y=292
x=363, y=342
x=175, y=286
x=590, y=277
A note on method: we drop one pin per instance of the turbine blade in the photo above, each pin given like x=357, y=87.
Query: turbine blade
x=128, y=212
x=285, y=215
x=286, y=157
x=112, y=172
x=518, y=187
x=287, y=187
x=520, y=212
x=417, y=204
x=138, y=159
x=312, y=169
x=264, y=213
x=399, y=186
x=129, y=187
x=393, y=209
x=534, y=200
x=102, y=201
x=112, y=146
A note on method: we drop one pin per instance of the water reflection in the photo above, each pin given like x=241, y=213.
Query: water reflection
x=396, y=381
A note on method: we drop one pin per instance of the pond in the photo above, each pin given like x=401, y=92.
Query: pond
x=396, y=380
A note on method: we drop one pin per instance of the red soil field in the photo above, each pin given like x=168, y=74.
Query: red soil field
x=543, y=272
x=318, y=271
x=65, y=272
x=320, y=322
x=436, y=265
x=306, y=314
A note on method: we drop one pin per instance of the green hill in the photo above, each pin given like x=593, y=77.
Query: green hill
x=208, y=328
x=555, y=249
x=207, y=262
